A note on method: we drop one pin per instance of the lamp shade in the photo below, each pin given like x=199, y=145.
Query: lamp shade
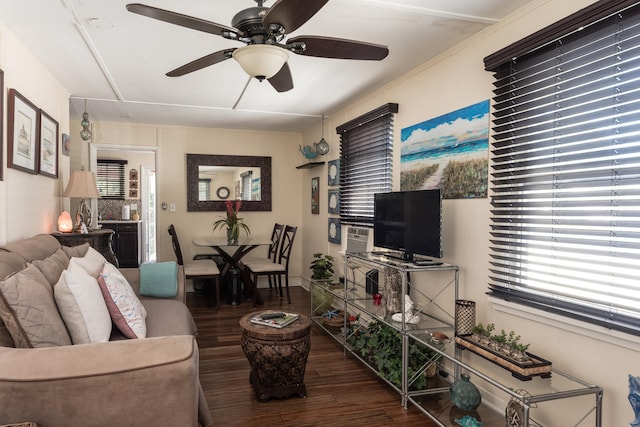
x=261, y=60
x=82, y=184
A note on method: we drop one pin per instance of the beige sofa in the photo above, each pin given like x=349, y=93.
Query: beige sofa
x=151, y=381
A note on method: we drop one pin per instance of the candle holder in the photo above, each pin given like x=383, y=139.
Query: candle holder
x=465, y=317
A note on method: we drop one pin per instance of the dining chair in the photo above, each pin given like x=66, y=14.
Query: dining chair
x=277, y=268
x=272, y=253
x=196, y=269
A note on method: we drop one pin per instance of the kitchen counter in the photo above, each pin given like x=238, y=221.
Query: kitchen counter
x=119, y=221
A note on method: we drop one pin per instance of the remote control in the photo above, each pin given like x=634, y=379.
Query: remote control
x=267, y=316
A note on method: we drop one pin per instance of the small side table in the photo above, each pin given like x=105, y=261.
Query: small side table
x=100, y=240
x=278, y=357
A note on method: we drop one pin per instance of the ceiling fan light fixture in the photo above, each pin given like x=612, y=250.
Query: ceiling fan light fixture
x=262, y=61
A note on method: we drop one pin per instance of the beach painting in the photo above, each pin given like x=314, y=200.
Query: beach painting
x=450, y=152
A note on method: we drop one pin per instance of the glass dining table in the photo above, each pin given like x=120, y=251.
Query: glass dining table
x=232, y=255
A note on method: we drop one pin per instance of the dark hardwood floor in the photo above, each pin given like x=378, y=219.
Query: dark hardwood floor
x=340, y=390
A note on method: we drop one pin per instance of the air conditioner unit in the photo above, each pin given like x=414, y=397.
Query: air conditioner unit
x=357, y=239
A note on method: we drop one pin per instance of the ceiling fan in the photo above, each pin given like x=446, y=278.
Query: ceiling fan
x=263, y=30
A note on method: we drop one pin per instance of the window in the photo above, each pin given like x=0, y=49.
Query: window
x=365, y=163
x=246, y=185
x=110, y=179
x=566, y=168
x=204, y=189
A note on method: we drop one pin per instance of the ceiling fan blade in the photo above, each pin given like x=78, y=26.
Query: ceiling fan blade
x=200, y=63
x=180, y=19
x=282, y=80
x=291, y=14
x=331, y=47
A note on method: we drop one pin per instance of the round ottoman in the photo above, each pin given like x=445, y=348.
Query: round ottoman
x=278, y=357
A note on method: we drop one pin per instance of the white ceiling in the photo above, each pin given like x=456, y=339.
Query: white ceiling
x=117, y=60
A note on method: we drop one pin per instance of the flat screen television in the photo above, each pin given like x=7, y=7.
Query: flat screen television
x=409, y=222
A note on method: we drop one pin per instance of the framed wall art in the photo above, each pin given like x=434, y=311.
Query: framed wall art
x=48, y=140
x=1, y=121
x=334, y=202
x=334, y=231
x=315, y=195
x=133, y=174
x=22, y=147
x=334, y=173
x=66, y=145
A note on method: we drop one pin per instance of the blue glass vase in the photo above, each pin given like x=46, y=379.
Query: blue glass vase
x=464, y=394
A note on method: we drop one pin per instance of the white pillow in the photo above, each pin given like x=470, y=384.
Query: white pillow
x=126, y=310
x=82, y=307
x=91, y=266
x=92, y=253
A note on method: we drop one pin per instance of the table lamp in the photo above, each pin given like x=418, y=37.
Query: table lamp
x=82, y=184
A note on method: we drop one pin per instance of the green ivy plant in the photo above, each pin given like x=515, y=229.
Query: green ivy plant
x=380, y=345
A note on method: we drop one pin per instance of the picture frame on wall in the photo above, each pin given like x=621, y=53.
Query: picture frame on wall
x=22, y=147
x=333, y=202
x=1, y=122
x=133, y=194
x=315, y=195
x=133, y=174
x=334, y=231
x=333, y=178
x=48, y=141
x=66, y=145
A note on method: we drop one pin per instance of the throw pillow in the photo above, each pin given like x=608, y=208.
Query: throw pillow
x=92, y=266
x=82, y=307
x=126, y=310
x=29, y=310
x=159, y=279
x=92, y=253
x=76, y=251
x=53, y=266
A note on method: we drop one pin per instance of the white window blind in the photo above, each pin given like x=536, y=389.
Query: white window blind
x=566, y=172
x=110, y=178
x=366, y=159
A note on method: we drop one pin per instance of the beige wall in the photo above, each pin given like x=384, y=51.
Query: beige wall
x=451, y=81
x=25, y=213
x=172, y=144
x=454, y=80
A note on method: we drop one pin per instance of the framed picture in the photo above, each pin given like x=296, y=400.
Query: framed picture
x=334, y=202
x=66, y=145
x=133, y=194
x=334, y=173
x=48, y=136
x=22, y=149
x=315, y=195
x=133, y=174
x=334, y=231
x=1, y=121
x=133, y=185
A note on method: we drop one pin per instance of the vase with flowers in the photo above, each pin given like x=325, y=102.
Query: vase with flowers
x=232, y=222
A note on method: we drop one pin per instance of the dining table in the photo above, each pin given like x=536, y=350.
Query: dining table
x=232, y=255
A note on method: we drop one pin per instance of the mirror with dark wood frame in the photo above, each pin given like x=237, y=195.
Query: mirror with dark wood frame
x=202, y=193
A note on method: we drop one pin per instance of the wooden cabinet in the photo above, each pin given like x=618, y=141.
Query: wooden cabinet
x=126, y=241
x=100, y=240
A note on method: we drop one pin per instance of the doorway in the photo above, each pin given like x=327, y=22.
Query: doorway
x=143, y=160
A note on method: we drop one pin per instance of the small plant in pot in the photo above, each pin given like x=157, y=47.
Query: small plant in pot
x=322, y=267
x=322, y=271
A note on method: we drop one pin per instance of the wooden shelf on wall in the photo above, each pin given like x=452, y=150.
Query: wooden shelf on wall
x=310, y=165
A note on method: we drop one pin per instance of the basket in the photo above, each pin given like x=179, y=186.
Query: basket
x=333, y=320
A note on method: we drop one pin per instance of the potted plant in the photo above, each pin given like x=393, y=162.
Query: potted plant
x=232, y=222
x=380, y=345
x=321, y=271
x=321, y=267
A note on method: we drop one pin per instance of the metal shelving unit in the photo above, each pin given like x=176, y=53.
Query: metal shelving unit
x=530, y=398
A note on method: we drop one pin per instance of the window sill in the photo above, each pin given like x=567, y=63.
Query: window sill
x=571, y=325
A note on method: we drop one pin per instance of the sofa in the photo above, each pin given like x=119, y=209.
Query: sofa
x=71, y=375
